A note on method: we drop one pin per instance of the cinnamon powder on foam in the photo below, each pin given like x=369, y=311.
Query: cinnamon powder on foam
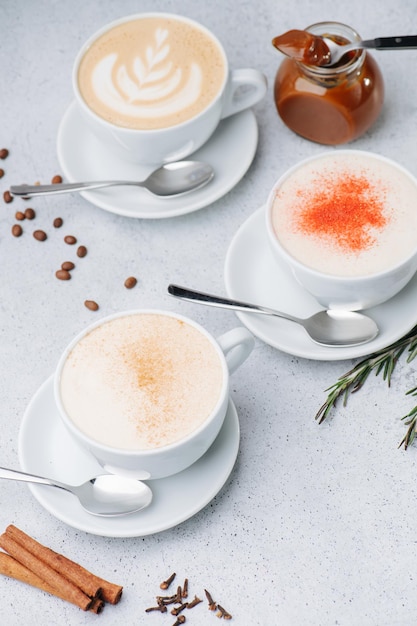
x=142, y=381
x=346, y=209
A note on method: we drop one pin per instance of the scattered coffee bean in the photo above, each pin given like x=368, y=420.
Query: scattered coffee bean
x=30, y=214
x=4, y=153
x=19, y=216
x=67, y=265
x=63, y=274
x=1, y=173
x=58, y=221
x=91, y=305
x=7, y=197
x=17, y=230
x=70, y=240
x=56, y=179
x=40, y=235
x=81, y=251
x=130, y=282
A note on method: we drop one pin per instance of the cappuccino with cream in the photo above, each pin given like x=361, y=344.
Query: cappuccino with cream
x=345, y=224
x=141, y=381
x=151, y=72
x=347, y=214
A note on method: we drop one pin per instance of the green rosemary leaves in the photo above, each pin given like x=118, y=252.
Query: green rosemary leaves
x=383, y=361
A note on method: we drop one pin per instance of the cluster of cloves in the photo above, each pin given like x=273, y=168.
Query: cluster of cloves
x=162, y=602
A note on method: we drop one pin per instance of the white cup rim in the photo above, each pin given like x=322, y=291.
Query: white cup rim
x=153, y=131
x=144, y=454
x=292, y=261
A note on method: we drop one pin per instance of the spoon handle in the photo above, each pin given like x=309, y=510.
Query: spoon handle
x=391, y=43
x=27, y=478
x=42, y=190
x=225, y=303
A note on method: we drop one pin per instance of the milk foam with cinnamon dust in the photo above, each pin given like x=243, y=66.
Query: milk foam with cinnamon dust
x=151, y=72
x=141, y=381
x=347, y=215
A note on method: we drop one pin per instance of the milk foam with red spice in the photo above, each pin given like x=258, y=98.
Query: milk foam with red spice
x=141, y=381
x=347, y=214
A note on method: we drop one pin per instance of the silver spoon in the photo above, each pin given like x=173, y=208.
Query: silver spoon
x=381, y=43
x=107, y=495
x=327, y=328
x=171, y=179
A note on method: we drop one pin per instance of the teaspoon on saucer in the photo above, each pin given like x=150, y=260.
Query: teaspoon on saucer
x=107, y=495
x=328, y=327
x=168, y=180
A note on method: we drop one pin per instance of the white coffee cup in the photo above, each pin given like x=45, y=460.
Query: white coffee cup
x=146, y=391
x=235, y=91
x=345, y=223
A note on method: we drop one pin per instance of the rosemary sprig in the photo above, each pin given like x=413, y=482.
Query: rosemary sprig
x=383, y=361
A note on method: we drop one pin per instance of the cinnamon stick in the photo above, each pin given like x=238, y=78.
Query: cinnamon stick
x=109, y=592
x=71, y=592
x=89, y=583
x=13, y=569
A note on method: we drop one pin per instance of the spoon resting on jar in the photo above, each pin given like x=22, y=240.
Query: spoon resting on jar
x=322, y=51
x=332, y=328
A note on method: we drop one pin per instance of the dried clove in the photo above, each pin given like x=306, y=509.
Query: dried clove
x=185, y=589
x=177, y=610
x=166, y=583
x=161, y=600
x=179, y=620
x=223, y=613
x=193, y=603
x=211, y=602
x=161, y=608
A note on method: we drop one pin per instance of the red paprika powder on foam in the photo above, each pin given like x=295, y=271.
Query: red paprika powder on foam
x=346, y=210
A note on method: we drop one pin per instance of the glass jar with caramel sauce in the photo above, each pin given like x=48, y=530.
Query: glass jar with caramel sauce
x=331, y=104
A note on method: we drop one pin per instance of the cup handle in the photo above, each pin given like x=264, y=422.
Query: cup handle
x=236, y=344
x=246, y=87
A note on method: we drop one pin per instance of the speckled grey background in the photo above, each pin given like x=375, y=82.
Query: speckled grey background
x=316, y=526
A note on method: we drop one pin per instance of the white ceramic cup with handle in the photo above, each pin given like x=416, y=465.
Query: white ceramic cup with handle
x=345, y=223
x=146, y=391
x=153, y=87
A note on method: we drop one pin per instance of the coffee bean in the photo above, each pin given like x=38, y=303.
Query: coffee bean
x=67, y=265
x=4, y=153
x=1, y=173
x=7, y=197
x=63, y=274
x=91, y=305
x=70, y=239
x=81, y=251
x=58, y=221
x=19, y=216
x=30, y=214
x=56, y=179
x=130, y=282
x=40, y=235
x=17, y=230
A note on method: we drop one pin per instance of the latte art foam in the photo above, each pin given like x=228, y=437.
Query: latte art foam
x=151, y=73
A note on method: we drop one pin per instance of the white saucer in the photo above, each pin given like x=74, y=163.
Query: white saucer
x=82, y=158
x=46, y=448
x=253, y=275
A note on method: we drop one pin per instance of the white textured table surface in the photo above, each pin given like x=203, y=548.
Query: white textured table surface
x=316, y=525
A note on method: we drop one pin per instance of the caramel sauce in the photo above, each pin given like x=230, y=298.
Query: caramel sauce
x=329, y=105
x=303, y=46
